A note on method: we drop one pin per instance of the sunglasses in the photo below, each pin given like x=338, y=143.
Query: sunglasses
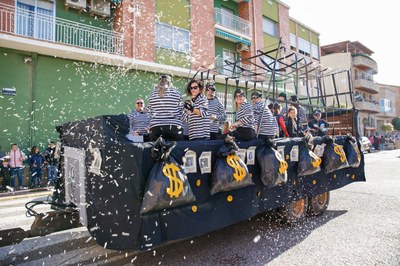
x=194, y=88
x=239, y=96
x=254, y=97
x=140, y=103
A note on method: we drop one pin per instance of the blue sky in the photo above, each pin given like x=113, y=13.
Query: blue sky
x=373, y=23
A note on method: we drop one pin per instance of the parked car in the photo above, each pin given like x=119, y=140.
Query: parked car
x=365, y=145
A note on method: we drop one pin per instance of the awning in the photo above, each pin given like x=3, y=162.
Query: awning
x=116, y=1
x=232, y=37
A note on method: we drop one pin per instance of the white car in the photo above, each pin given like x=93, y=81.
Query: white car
x=365, y=145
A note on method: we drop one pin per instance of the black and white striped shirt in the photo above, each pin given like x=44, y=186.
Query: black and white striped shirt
x=139, y=122
x=245, y=115
x=199, y=126
x=165, y=110
x=216, y=108
x=265, y=121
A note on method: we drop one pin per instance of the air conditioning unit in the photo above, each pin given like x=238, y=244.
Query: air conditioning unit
x=242, y=47
x=77, y=4
x=100, y=7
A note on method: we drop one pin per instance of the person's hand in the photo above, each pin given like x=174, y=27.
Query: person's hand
x=135, y=133
x=213, y=117
x=188, y=105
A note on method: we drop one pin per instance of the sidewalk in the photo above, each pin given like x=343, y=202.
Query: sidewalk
x=26, y=193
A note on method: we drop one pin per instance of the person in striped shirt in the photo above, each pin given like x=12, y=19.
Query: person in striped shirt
x=165, y=106
x=266, y=126
x=139, y=120
x=245, y=123
x=216, y=110
x=196, y=111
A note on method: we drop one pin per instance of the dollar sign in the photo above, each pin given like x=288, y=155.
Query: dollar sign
x=357, y=151
x=316, y=162
x=283, y=166
x=233, y=161
x=339, y=151
x=175, y=184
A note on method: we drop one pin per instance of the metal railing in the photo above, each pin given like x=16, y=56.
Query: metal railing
x=49, y=28
x=232, y=22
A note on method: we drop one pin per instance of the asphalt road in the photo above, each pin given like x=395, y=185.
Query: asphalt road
x=361, y=227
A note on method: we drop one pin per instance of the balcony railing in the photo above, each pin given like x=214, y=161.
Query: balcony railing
x=365, y=62
x=366, y=85
x=225, y=68
x=231, y=21
x=49, y=28
x=368, y=106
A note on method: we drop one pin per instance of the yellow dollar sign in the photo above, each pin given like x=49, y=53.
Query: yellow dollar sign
x=233, y=161
x=175, y=184
x=357, y=151
x=283, y=166
x=316, y=162
x=339, y=151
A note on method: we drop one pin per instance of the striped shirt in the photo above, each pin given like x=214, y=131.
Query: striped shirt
x=245, y=115
x=216, y=108
x=199, y=126
x=265, y=121
x=139, y=122
x=165, y=110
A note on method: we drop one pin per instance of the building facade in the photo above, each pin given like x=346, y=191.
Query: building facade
x=357, y=57
x=65, y=60
x=389, y=104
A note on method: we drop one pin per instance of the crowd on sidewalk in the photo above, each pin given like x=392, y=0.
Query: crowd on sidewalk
x=12, y=165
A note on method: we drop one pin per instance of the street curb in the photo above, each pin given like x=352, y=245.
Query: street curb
x=10, y=196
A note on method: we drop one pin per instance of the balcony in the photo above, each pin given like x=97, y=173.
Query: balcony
x=21, y=22
x=231, y=24
x=364, y=62
x=388, y=114
x=366, y=85
x=226, y=69
x=368, y=106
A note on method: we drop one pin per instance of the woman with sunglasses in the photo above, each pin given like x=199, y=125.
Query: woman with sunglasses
x=165, y=106
x=139, y=120
x=244, y=125
x=196, y=111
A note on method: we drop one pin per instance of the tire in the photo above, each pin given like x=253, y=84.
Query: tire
x=318, y=204
x=293, y=212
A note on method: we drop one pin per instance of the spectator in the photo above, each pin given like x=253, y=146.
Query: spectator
x=5, y=174
x=371, y=139
x=139, y=120
x=196, y=111
x=17, y=158
x=376, y=142
x=318, y=126
x=382, y=142
x=36, y=163
x=165, y=106
x=52, y=163
x=216, y=110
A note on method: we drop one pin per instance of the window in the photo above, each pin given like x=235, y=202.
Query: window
x=386, y=105
x=314, y=51
x=35, y=19
x=227, y=17
x=231, y=57
x=270, y=27
x=173, y=38
x=304, y=47
x=293, y=43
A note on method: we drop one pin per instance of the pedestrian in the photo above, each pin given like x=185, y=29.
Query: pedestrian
x=52, y=163
x=139, y=120
x=16, y=160
x=196, y=111
x=216, y=111
x=165, y=106
x=5, y=175
x=36, y=163
x=382, y=142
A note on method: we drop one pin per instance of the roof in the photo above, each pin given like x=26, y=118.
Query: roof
x=346, y=47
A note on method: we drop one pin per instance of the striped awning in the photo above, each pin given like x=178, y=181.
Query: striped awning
x=232, y=37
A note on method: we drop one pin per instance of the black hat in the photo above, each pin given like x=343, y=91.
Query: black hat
x=282, y=94
x=256, y=94
x=210, y=86
x=293, y=98
x=239, y=91
x=317, y=112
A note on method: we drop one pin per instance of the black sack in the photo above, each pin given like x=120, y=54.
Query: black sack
x=273, y=167
x=167, y=185
x=334, y=157
x=309, y=163
x=230, y=172
x=352, y=151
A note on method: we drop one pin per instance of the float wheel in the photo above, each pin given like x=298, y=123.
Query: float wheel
x=318, y=204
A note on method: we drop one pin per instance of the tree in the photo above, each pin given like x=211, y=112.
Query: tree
x=387, y=127
x=396, y=123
